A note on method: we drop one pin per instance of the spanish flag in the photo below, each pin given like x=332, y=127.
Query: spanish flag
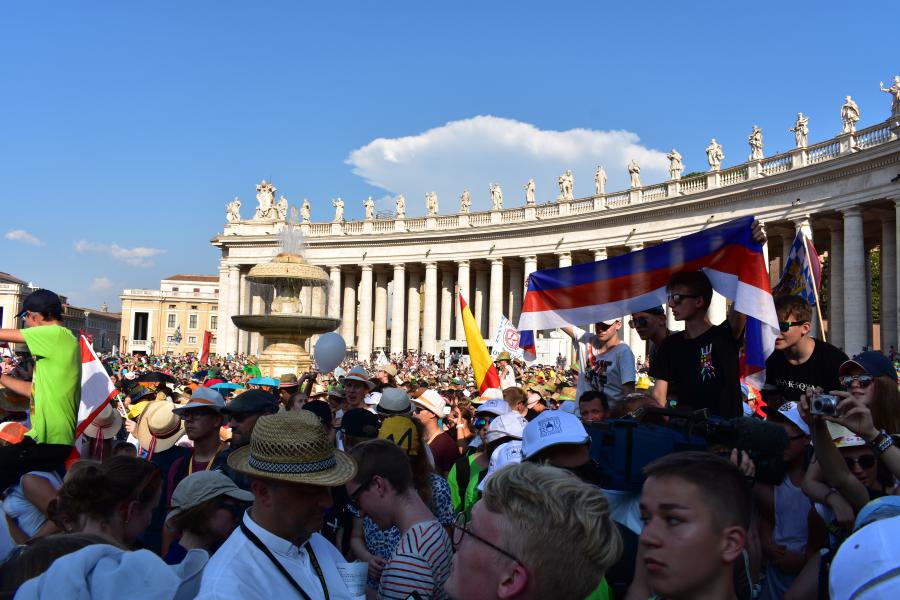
x=485, y=374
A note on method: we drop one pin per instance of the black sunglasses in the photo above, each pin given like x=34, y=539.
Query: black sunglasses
x=353, y=500
x=864, y=462
x=863, y=380
x=460, y=531
x=785, y=325
x=678, y=298
x=638, y=322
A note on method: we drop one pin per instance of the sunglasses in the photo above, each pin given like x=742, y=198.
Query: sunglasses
x=353, y=501
x=863, y=380
x=638, y=322
x=784, y=326
x=864, y=462
x=481, y=422
x=678, y=298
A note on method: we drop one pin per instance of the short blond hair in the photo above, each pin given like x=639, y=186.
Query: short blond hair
x=557, y=525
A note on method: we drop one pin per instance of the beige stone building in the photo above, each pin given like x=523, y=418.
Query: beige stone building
x=171, y=319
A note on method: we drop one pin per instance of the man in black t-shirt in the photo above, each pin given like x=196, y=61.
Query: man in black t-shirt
x=800, y=361
x=698, y=367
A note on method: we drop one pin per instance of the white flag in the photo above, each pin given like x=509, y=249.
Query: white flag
x=506, y=339
x=97, y=388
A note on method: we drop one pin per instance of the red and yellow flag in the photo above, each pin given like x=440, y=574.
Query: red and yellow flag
x=485, y=374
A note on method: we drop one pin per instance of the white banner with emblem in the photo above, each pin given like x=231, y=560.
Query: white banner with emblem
x=506, y=339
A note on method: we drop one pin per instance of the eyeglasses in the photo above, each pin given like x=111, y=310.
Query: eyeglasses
x=864, y=462
x=638, y=322
x=678, y=298
x=460, y=531
x=785, y=325
x=863, y=380
x=353, y=500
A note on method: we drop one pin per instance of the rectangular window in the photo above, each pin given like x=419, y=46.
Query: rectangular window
x=174, y=289
x=213, y=322
x=171, y=306
x=192, y=322
x=192, y=339
x=196, y=290
x=170, y=339
x=193, y=307
x=170, y=323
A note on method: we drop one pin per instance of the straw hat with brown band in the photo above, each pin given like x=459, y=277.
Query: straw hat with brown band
x=293, y=446
x=158, y=428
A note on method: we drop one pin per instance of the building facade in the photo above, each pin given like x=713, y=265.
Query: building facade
x=172, y=319
x=843, y=191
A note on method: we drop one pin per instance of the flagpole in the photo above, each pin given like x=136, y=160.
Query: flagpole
x=815, y=286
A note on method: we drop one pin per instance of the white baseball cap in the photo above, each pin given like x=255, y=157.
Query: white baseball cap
x=494, y=406
x=867, y=565
x=511, y=424
x=789, y=411
x=509, y=453
x=203, y=397
x=372, y=398
x=432, y=401
x=551, y=428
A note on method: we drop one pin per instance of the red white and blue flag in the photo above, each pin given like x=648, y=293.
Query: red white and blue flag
x=608, y=289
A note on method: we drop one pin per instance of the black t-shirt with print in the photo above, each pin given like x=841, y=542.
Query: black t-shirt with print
x=820, y=370
x=702, y=372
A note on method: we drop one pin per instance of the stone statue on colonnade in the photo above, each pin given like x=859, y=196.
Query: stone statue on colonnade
x=496, y=197
x=801, y=130
x=675, y=164
x=566, y=187
x=305, y=211
x=338, y=205
x=849, y=115
x=465, y=202
x=714, y=155
x=634, y=169
x=431, y=203
x=282, y=208
x=756, y=143
x=400, y=205
x=600, y=181
x=265, y=196
x=369, y=205
x=529, y=193
x=233, y=212
x=894, y=91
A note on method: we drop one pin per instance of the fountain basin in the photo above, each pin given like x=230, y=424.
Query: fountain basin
x=285, y=326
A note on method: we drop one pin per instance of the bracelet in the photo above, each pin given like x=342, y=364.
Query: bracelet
x=881, y=443
x=830, y=492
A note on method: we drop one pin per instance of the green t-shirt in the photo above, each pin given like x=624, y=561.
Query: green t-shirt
x=471, y=492
x=601, y=592
x=56, y=391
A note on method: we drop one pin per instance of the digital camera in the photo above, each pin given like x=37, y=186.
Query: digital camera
x=824, y=404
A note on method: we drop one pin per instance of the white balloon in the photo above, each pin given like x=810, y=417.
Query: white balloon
x=329, y=352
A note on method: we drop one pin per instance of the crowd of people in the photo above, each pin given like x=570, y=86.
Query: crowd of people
x=402, y=478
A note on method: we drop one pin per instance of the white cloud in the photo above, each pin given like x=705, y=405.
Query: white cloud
x=20, y=235
x=136, y=257
x=101, y=283
x=482, y=150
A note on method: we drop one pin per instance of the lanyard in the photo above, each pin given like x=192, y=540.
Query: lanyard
x=208, y=465
x=312, y=556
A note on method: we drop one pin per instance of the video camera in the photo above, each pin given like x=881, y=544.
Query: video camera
x=623, y=447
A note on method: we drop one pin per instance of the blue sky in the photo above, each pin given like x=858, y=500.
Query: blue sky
x=127, y=127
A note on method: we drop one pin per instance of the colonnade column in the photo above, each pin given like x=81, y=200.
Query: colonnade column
x=565, y=259
x=515, y=292
x=348, y=319
x=530, y=267
x=462, y=286
x=243, y=307
x=836, y=285
x=888, y=285
x=481, y=290
x=447, y=303
x=234, y=301
x=397, y=317
x=364, y=346
x=334, y=292
x=600, y=254
x=897, y=261
x=412, y=312
x=854, y=282
x=429, y=327
x=381, y=307
x=496, y=299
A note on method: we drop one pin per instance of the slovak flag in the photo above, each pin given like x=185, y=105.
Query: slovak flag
x=608, y=289
x=97, y=389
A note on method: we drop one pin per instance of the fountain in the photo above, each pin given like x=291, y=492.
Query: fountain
x=286, y=323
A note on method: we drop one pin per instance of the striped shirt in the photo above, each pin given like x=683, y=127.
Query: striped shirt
x=420, y=564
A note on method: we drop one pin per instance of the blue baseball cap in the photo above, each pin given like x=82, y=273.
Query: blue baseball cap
x=872, y=362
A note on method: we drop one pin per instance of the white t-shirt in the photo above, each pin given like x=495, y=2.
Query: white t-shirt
x=604, y=372
x=508, y=378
